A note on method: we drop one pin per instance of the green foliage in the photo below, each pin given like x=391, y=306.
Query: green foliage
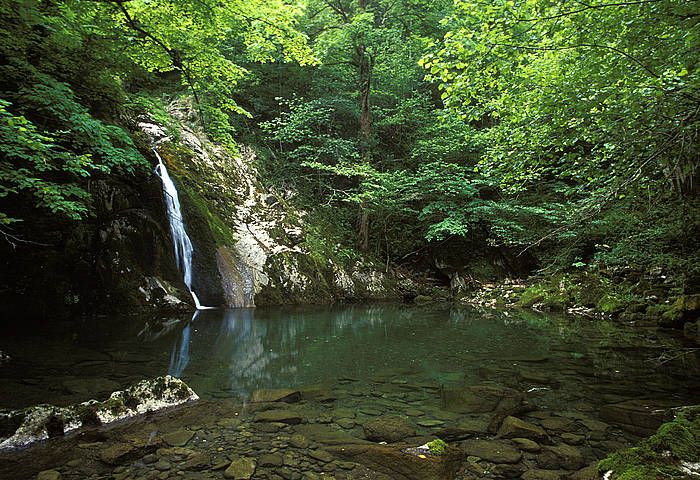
x=67, y=67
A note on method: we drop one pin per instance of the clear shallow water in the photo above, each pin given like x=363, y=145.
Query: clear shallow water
x=565, y=361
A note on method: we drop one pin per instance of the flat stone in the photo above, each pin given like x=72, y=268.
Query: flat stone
x=430, y=423
x=484, y=399
x=271, y=460
x=388, y=428
x=594, y=425
x=558, y=424
x=197, y=461
x=572, y=438
x=339, y=413
x=414, y=412
x=561, y=456
x=118, y=453
x=541, y=475
x=178, y=438
x=49, y=475
x=495, y=451
x=642, y=417
x=162, y=465
x=587, y=473
x=513, y=427
x=277, y=395
x=290, y=417
x=298, y=441
x=399, y=465
x=453, y=434
x=327, y=434
x=241, y=468
x=346, y=423
x=321, y=455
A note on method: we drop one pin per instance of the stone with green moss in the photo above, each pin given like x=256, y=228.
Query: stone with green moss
x=437, y=447
x=661, y=455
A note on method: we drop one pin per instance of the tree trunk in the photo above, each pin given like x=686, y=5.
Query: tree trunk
x=365, y=70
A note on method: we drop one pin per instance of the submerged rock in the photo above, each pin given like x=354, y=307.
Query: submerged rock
x=641, y=417
x=389, y=428
x=514, y=427
x=241, y=469
x=20, y=428
x=495, y=451
x=49, y=475
x=279, y=395
x=400, y=465
x=484, y=399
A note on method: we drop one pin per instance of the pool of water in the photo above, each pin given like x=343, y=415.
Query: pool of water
x=231, y=353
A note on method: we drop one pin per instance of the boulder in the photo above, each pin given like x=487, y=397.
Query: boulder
x=44, y=421
x=389, y=428
x=513, y=427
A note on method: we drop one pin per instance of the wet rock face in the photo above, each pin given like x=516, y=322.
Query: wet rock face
x=23, y=427
x=97, y=264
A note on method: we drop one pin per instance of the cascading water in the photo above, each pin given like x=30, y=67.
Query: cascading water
x=181, y=241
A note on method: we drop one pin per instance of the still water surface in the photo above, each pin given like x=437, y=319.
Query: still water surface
x=230, y=353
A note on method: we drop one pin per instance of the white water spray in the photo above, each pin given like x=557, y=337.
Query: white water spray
x=181, y=241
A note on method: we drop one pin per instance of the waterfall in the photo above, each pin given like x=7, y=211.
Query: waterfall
x=181, y=241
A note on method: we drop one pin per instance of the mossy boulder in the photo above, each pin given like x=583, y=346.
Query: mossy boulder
x=684, y=309
x=661, y=455
x=548, y=297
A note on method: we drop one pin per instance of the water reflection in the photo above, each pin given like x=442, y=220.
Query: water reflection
x=180, y=355
x=232, y=353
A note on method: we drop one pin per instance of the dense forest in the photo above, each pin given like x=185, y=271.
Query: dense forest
x=550, y=137
x=531, y=153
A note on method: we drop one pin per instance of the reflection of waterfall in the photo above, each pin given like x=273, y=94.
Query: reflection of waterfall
x=180, y=356
x=181, y=241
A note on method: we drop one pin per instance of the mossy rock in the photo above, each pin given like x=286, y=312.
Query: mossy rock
x=551, y=298
x=531, y=296
x=611, y=304
x=684, y=309
x=661, y=454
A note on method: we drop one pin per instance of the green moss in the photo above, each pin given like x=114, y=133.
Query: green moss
x=532, y=295
x=437, y=447
x=661, y=453
x=551, y=297
x=221, y=233
x=610, y=303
